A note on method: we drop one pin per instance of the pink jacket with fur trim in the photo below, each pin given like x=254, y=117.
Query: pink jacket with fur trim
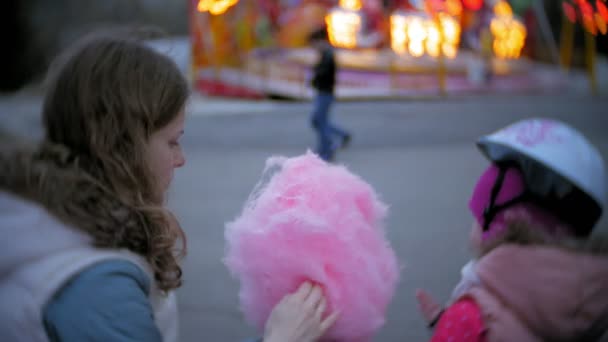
x=542, y=293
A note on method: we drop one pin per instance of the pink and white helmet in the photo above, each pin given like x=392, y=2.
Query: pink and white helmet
x=558, y=163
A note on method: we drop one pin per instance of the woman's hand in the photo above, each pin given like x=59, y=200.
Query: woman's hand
x=299, y=317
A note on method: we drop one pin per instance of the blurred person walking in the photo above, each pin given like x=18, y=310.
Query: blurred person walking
x=323, y=82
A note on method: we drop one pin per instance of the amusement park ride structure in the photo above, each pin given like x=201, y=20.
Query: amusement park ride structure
x=252, y=48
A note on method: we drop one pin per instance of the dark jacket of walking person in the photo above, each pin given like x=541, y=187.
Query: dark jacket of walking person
x=324, y=72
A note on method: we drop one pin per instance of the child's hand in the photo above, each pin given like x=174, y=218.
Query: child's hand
x=428, y=306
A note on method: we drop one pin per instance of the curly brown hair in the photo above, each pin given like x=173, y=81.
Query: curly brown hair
x=105, y=98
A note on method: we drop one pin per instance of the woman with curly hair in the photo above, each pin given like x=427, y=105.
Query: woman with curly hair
x=90, y=252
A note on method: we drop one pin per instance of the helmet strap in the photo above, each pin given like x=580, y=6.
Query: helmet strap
x=492, y=209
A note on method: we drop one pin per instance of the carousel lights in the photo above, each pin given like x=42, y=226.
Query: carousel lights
x=508, y=33
x=398, y=33
x=502, y=8
x=601, y=24
x=433, y=41
x=353, y=5
x=451, y=35
x=453, y=7
x=215, y=7
x=473, y=5
x=583, y=11
x=602, y=9
x=344, y=24
x=417, y=34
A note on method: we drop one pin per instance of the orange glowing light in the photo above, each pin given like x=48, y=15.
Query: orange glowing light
x=589, y=24
x=593, y=18
x=215, y=7
x=473, y=5
x=353, y=5
x=509, y=34
x=343, y=27
x=502, y=8
x=586, y=8
x=601, y=23
x=453, y=7
x=602, y=9
x=398, y=33
x=417, y=34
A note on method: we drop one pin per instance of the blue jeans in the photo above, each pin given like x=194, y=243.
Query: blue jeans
x=326, y=131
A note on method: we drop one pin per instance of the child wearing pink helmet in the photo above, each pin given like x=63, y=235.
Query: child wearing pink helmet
x=539, y=274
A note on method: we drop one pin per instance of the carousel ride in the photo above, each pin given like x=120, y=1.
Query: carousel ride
x=252, y=48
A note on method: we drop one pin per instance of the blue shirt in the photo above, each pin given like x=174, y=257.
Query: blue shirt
x=106, y=302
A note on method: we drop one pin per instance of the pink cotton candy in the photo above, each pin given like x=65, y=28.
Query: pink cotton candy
x=318, y=222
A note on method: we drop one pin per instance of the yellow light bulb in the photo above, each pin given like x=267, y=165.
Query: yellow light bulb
x=502, y=8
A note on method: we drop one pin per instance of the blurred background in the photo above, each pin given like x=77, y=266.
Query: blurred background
x=418, y=83
x=439, y=45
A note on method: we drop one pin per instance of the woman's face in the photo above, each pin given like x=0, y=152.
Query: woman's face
x=164, y=152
